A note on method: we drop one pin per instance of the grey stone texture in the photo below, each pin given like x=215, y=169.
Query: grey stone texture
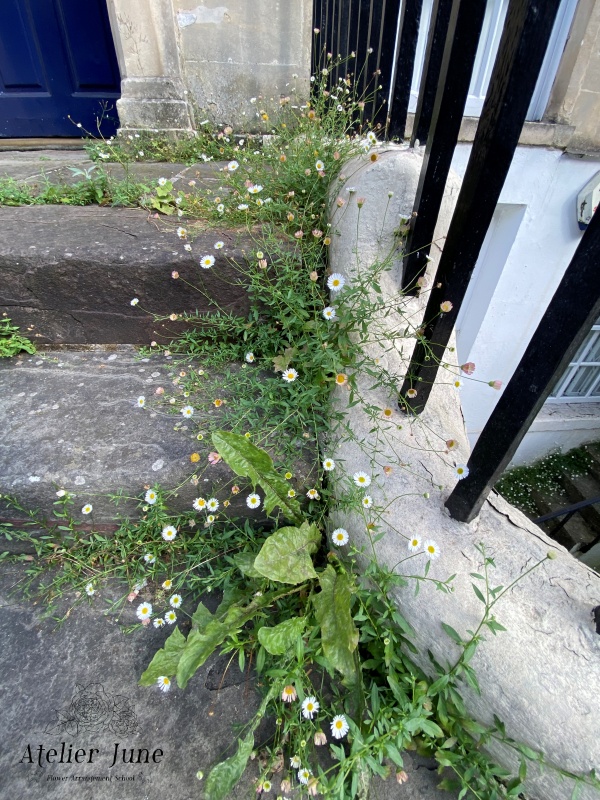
x=70, y=420
x=69, y=273
x=43, y=664
x=539, y=676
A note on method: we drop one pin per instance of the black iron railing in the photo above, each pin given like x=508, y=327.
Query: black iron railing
x=451, y=47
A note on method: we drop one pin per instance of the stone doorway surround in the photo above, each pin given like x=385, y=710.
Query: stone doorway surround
x=222, y=60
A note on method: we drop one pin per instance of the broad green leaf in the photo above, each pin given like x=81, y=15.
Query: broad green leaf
x=245, y=563
x=201, y=617
x=282, y=637
x=249, y=461
x=339, y=636
x=225, y=775
x=166, y=660
x=429, y=727
x=285, y=555
x=198, y=648
x=282, y=362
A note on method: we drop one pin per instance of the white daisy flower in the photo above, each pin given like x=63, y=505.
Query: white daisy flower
x=329, y=312
x=150, y=497
x=162, y=181
x=312, y=494
x=304, y=775
x=206, y=262
x=361, y=479
x=199, y=504
x=232, y=166
x=339, y=726
x=340, y=537
x=167, y=584
x=134, y=302
x=414, y=543
x=170, y=617
x=255, y=189
x=328, y=464
x=213, y=504
x=249, y=357
x=253, y=500
x=149, y=558
x=210, y=519
x=319, y=166
x=169, y=533
x=141, y=401
x=89, y=589
x=87, y=509
x=290, y=375
x=61, y=493
x=144, y=611
x=187, y=411
x=243, y=207
x=462, y=471
x=295, y=762
x=432, y=551
x=367, y=501
x=158, y=622
x=164, y=683
x=371, y=137
x=310, y=706
x=181, y=232
x=175, y=601
x=219, y=245
x=336, y=282
x=220, y=208
x=458, y=384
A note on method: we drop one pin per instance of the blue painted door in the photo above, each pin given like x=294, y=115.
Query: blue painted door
x=58, y=67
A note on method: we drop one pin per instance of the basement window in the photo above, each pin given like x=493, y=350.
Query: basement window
x=581, y=381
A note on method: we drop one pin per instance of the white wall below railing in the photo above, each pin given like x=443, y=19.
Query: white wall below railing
x=529, y=246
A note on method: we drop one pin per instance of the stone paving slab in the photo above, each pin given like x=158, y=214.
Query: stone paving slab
x=69, y=273
x=39, y=166
x=69, y=420
x=42, y=666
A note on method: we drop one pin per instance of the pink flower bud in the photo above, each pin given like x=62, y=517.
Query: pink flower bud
x=299, y=234
x=468, y=368
x=495, y=385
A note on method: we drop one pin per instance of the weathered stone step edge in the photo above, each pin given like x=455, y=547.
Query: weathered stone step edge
x=70, y=273
x=70, y=420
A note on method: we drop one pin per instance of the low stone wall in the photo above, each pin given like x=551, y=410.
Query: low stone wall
x=541, y=676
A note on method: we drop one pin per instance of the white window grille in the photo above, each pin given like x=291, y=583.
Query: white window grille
x=581, y=381
x=488, y=47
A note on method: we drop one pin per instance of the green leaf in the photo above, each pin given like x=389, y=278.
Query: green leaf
x=245, y=563
x=165, y=661
x=225, y=775
x=478, y=594
x=454, y=635
x=285, y=555
x=201, y=617
x=198, y=648
x=249, y=461
x=430, y=728
x=282, y=637
x=339, y=636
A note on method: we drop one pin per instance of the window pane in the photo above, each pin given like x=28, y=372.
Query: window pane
x=584, y=380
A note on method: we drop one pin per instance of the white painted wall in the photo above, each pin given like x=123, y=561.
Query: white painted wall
x=530, y=243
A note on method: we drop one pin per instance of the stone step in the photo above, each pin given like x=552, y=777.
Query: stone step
x=69, y=273
x=573, y=532
x=70, y=420
x=584, y=487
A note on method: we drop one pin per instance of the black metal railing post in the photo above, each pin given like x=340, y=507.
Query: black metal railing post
x=432, y=65
x=522, y=48
x=453, y=79
x=410, y=18
x=567, y=321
